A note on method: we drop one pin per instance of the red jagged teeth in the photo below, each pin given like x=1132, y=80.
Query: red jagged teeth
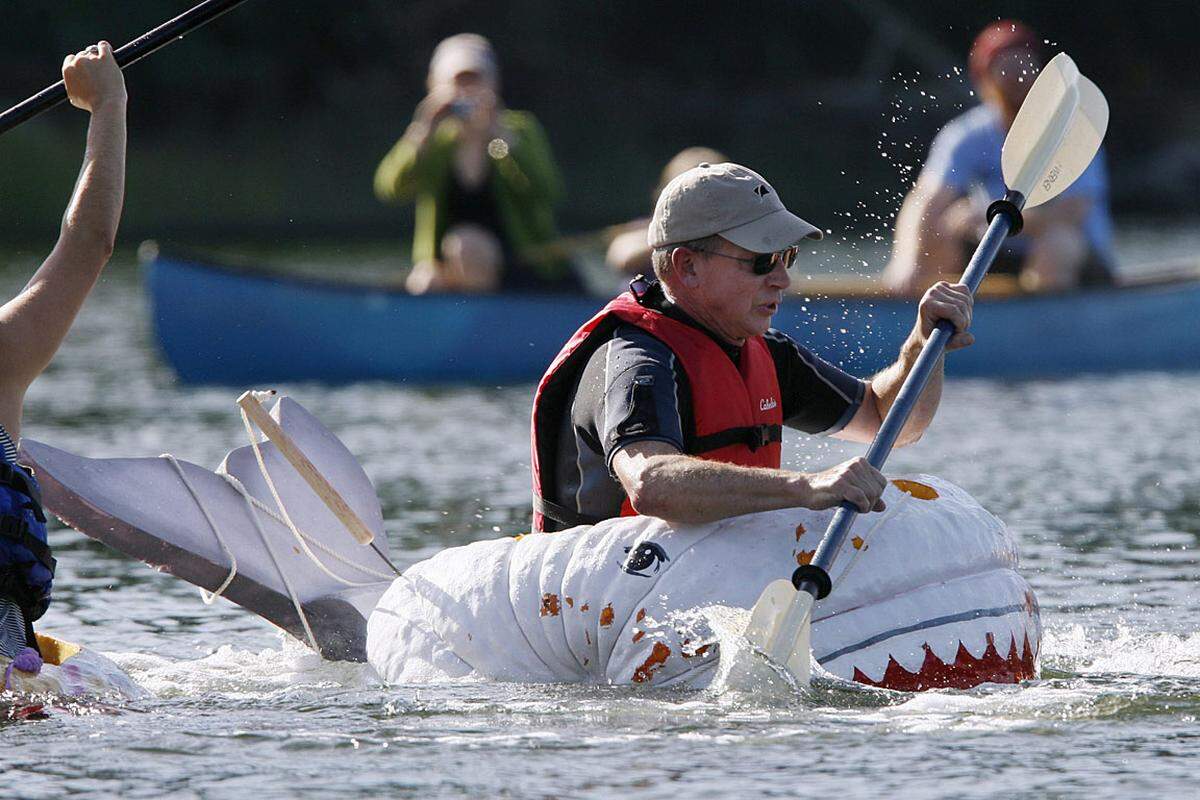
x=966, y=671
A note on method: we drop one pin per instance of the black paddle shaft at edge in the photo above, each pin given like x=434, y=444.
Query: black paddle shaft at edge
x=1004, y=217
x=136, y=50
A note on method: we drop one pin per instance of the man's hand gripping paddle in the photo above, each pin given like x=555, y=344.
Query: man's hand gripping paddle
x=1052, y=140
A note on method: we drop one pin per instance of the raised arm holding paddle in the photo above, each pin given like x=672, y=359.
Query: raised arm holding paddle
x=34, y=323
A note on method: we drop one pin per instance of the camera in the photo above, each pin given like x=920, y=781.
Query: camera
x=462, y=107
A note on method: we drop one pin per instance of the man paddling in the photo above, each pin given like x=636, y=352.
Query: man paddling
x=34, y=323
x=671, y=401
x=1064, y=244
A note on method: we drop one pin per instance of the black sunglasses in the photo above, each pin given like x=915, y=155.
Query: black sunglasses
x=762, y=263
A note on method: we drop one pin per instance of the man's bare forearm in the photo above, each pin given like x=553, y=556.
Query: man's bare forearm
x=34, y=323
x=90, y=223
x=42, y=314
x=885, y=386
x=687, y=489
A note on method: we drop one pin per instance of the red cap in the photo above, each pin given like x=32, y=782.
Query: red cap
x=1006, y=34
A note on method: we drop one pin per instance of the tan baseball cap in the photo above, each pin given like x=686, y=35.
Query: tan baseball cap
x=730, y=200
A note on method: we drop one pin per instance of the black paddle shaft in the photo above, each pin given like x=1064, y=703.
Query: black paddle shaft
x=136, y=50
x=1004, y=218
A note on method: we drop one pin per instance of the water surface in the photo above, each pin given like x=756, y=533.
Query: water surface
x=1098, y=476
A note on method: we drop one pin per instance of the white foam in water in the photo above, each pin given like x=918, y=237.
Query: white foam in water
x=994, y=708
x=1076, y=648
x=1124, y=651
x=240, y=673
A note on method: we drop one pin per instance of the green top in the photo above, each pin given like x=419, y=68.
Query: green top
x=524, y=181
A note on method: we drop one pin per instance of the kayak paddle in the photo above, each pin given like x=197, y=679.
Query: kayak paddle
x=1054, y=137
x=136, y=50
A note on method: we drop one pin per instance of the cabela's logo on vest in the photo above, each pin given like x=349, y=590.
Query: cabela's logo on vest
x=767, y=403
x=643, y=557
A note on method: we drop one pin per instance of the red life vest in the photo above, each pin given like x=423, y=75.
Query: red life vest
x=737, y=416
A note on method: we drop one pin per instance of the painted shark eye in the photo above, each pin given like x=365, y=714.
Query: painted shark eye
x=645, y=557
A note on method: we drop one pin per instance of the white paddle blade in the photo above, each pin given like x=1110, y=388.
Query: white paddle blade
x=780, y=628
x=1056, y=133
x=765, y=616
x=799, y=663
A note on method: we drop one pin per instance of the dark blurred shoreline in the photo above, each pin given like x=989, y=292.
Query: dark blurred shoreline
x=268, y=125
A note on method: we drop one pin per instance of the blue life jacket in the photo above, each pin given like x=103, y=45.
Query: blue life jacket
x=26, y=565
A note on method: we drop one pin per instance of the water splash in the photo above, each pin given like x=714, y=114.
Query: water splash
x=291, y=670
x=1123, y=651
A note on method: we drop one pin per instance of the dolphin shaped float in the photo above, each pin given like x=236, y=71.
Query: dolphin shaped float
x=928, y=592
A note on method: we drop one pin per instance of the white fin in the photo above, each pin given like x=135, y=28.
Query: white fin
x=195, y=524
x=331, y=458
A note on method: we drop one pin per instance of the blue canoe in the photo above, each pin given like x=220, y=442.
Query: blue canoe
x=225, y=325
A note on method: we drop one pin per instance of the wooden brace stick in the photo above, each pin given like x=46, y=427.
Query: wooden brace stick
x=316, y=481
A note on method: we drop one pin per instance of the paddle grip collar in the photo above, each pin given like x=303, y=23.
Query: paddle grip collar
x=1009, y=206
x=813, y=574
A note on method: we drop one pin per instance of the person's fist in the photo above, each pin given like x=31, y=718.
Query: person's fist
x=92, y=77
x=952, y=302
x=854, y=481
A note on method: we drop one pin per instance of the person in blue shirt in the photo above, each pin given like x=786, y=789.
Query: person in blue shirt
x=1066, y=242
